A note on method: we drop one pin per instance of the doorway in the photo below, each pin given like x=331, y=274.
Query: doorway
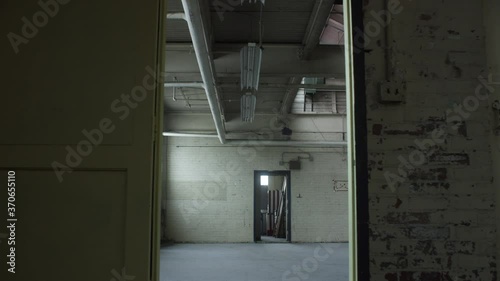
x=272, y=206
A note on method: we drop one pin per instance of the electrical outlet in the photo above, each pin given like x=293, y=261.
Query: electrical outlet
x=392, y=92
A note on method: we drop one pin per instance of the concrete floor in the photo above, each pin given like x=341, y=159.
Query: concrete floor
x=270, y=239
x=255, y=262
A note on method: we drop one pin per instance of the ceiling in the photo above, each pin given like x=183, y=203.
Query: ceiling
x=298, y=37
x=285, y=21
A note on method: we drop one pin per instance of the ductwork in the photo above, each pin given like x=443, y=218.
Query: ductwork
x=254, y=142
x=184, y=84
x=340, y=86
x=176, y=16
x=190, y=135
x=201, y=45
x=288, y=143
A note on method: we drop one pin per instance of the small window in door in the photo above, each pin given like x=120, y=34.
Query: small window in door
x=264, y=180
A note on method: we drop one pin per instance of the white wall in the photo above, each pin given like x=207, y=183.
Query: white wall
x=208, y=191
x=431, y=217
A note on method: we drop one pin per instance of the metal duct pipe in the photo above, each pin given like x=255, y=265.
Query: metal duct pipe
x=201, y=44
x=336, y=87
x=176, y=16
x=253, y=142
x=184, y=85
x=288, y=143
x=173, y=134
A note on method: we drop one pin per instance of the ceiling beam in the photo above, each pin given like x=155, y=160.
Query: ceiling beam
x=317, y=22
x=332, y=125
x=235, y=47
x=191, y=75
x=337, y=87
x=276, y=62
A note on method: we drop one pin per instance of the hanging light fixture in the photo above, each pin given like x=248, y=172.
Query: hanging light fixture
x=251, y=59
x=248, y=102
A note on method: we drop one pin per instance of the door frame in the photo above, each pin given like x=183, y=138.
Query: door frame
x=359, y=258
x=256, y=212
x=158, y=145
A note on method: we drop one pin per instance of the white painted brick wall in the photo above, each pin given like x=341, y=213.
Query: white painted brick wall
x=440, y=223
x=492, y=23
x=208, y=191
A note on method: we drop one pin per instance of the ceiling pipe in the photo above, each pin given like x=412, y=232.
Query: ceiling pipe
x=308, y=86
x=287, y=143
x=236, y=47
x=256, y=142
x=336, y=87
x=169, y=74
x=201, y=44
x=173, y=134
x=184, y=85
x=176, y=16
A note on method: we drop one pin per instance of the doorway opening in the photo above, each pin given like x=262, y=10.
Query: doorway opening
x=216, y=136
x=272, y=206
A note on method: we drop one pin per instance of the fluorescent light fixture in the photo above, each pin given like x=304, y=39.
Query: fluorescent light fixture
x=248, y=102
x=251, y=59
x=253, y=1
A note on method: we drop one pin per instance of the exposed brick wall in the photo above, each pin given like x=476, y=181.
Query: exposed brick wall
x=208, y=191
x=492, y=32
x=432, y=205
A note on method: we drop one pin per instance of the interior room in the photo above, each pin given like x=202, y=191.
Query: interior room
x=255, y=147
